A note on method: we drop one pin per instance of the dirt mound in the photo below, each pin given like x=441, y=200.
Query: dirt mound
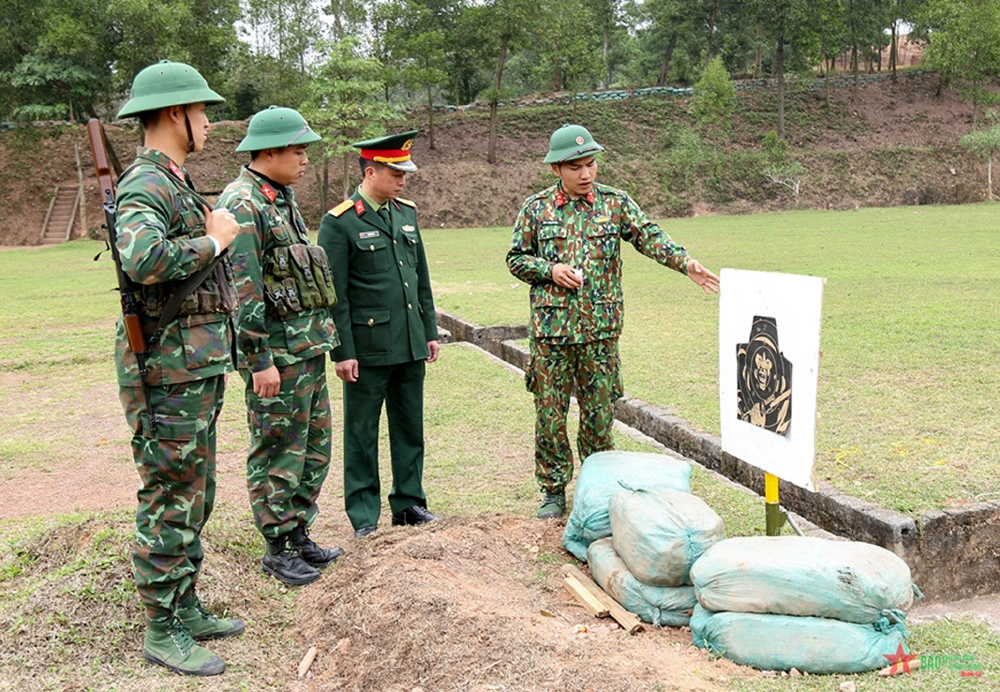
x=477, y=604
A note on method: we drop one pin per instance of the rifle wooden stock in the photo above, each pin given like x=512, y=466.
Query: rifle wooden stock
x=126, y=287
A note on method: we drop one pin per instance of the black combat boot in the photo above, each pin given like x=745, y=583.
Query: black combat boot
x=283, y=562
x=310, y=552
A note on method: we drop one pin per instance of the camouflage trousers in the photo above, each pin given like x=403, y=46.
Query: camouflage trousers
x=554, y=372
x=289, y=452
x=176, y=494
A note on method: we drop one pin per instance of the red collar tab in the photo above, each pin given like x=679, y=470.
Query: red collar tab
x=359, y=207
x=176, y=170
x=560, y=198
x=591, y=197
x=269, y=192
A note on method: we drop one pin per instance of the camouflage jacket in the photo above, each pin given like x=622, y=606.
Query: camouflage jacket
x=385, y=309
x=584, y=233
x=269, y=218
x=161, y=241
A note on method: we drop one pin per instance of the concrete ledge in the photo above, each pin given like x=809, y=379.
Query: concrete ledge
x=953, y=553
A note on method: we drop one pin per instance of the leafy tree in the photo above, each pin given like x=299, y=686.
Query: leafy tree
x=417, y=45
x=344, y=107
x=498, y=26
x=714, y=99
x=965, y=47
x=985, y=144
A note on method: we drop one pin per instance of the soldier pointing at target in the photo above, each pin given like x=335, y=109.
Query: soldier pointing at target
x=566, y=244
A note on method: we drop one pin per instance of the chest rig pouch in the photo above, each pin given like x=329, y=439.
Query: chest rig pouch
x=217, y=293
x=297, y=277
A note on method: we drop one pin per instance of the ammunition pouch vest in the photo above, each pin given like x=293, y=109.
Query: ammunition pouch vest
x=296, y=278
x=217, y=292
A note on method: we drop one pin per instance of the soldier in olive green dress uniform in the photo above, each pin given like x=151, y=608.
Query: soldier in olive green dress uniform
x=388, y=332
x=565, y=244
x=284, y=331
x=165, y=234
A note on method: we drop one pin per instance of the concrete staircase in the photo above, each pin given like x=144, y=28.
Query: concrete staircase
x=62, y=212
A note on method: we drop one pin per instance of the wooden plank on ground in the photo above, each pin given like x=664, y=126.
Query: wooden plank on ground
x=588, y=600
x=629, y=621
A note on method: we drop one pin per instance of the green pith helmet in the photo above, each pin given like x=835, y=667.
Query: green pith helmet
x=276, y=128
x=571, y=142
x=391, y=150
x=167, y=84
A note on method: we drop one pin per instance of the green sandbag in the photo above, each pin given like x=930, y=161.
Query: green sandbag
x=794, y=575
x=817, y=646
x=665, y=606
x=598, y=481
x=659, y=533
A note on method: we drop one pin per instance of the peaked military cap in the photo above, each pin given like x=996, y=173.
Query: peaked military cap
x=276, y=128
x=571, y=142
x=166, y=84
x=392, y=150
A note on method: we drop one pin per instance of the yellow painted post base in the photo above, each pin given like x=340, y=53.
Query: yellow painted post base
x=774, y=515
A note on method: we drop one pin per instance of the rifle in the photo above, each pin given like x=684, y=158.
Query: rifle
x=127, y=288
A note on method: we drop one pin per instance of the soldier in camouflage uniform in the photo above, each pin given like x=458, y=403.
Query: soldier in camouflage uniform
x=165, y=234
x=566, y=245
x=284, y=331
x=388, y=332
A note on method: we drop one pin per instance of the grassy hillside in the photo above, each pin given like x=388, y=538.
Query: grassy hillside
x=891, y=144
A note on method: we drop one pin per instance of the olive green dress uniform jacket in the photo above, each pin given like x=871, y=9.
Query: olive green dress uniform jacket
x=385, y=309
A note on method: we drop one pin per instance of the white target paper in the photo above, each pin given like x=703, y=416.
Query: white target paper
x=769, y=330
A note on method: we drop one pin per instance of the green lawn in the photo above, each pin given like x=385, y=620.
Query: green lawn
x=61, y=573
x=910, y=345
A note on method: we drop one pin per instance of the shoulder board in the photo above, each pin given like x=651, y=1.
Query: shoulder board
x=407, y=202
x=341, y=208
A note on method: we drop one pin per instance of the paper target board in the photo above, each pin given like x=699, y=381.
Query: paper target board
x=769, y=329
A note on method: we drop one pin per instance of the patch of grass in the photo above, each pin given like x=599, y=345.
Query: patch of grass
x=909, y=351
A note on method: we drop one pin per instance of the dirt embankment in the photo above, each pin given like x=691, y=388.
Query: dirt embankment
x=891, y=144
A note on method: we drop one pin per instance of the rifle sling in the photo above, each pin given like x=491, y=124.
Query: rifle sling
x=173, y=305
x=189, y=284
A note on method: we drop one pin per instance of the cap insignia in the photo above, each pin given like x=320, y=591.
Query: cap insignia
x=579, y=140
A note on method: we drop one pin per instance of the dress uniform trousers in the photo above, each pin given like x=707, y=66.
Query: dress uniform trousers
x=401, y=388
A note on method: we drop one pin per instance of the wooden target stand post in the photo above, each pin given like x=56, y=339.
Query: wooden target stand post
x=769, y=335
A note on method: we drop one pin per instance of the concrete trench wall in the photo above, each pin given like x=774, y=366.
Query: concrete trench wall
x=953, y=553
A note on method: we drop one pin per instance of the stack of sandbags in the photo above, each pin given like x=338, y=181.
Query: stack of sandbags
x=782, y=602
x=656, y=536
x=599, y=479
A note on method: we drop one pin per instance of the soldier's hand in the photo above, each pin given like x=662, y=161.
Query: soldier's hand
x=565, y=276
x=708, y=281
x=220, y=225
x=267, y=383
x=347, y=370
x=434, y=347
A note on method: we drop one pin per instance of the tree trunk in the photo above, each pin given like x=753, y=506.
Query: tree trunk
x=430, y=116
x=779, y=61
x=661, y=80
x=989, y=177
x=894, y=52
x=347, y=176
x=558, y=76
x=607, y=49
x=491, y=156
x=711, y=33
